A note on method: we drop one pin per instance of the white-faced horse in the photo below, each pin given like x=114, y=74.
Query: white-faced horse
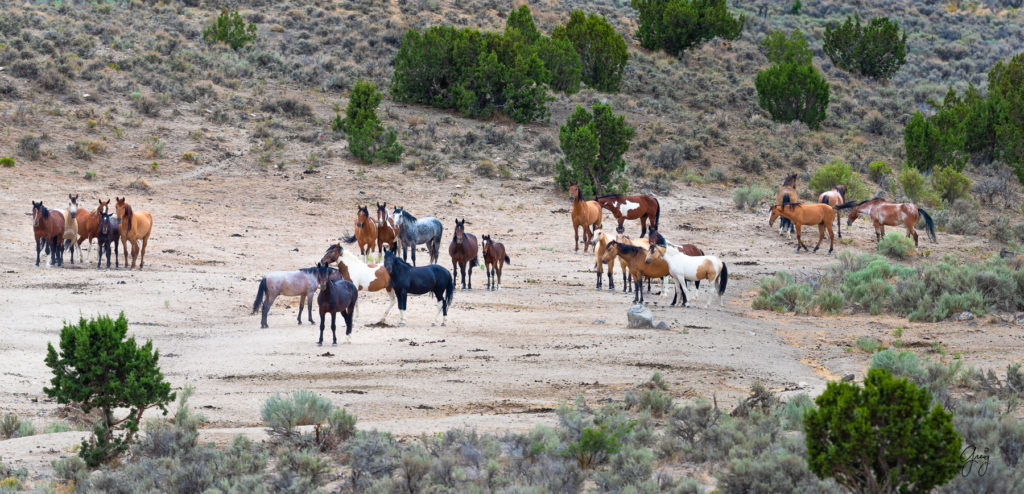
x=366, y=277
x=693, y=268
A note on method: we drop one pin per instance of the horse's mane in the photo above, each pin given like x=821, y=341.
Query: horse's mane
x=628, y=249
x=46, y=212
x=861, y=203
x=311, y=270
x=128, y=217
x=408, y=217
x=608, y=196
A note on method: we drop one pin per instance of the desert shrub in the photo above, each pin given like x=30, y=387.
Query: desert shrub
x=999, y=229
x=97, y=368
x=29, y=147
x=793, y=92
x=231, y=29
x=781, y=467
x=895, y=245
x=146, y=105
x=914, y=186
x=288, y=106
x=80, y=149
x=782, y=293
x=6, y=162
x=870, y=287
x=792, y=412
x=876, y=50
x=593, y=144
x=836, y=173
x=651, y=397
x=593, y=447
x=677, y=25
x=69, y=468
x=868, y=345
x=300, y=470
x=716, y=174
x=963, y=218
x=11, y=426
x=331, y=426
x=781, y=49
x=950, y=184
x=884, y=433
x=602, y=51
x=828, y=301
x=751, y=197
x=702, y=431
x=370, y=456
x=630, y=467
x=877, y=170
x=367, y=138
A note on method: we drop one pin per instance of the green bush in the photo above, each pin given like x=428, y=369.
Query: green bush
x=751, y=197
x=564, y=71
x=895, y=245
x=867, y=345
x=781, y=49
x=839, y=173
x=828, y=301
x=950, y=184
x=7, y=162
x=367, y=139
x=593, y=447
x=877, y=170
x=914, y=187
x=876, y=50
x=886, y=433
x=1006, y=96
x=593, y=144
x=790, y=92
x=602, y=51
x=97, y=368
x=677, y=25
x=782, y=294
x=230, y=28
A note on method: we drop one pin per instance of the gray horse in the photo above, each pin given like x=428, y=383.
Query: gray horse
x=413, y=232
x=302, y=283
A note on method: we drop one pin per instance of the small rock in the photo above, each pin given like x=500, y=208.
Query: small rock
x=848, y=377
x=801, y=384
x=963, y=316
x=640, y=317
x=661, y=325
x=598, y=321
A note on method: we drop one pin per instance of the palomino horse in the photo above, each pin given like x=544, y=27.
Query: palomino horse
x=807, y=214
x=584, y=213
x=106, y=233
x=692, y=268
x=624, y=208
x=134, y=226
x=71, y=230
x=301, y=283
x=494, y=259
x=387, y=232
x=601, y=245
x=884, y=213
x=463, y=250
x=48, y=227
x=413, y=232
x=406, y=279
x=335, y=296
x=366, y=233
x=638, y=266
x=366, y=277
x=787, y=194
x=835, y=198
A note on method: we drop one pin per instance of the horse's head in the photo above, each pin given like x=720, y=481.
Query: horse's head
x=362, y=215
x=37, y=213
x=610, y=251
x=396, y=215
x=841, y=189
x=104, y=206
x=620, y=230
x=653, y=253
x=382, y=212
x=323, y=274
x=389, y=260
x=774, y=210
x=104, y=228
x=332, y=254
x=790, y=181
x=854, y=213
x=119, y=205
x=574, y=191
x=72, y=206
x=73, y=199
x=486, y=239
x=460, y=231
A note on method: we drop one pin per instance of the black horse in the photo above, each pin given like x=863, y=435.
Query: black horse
x=335, y=296
x=106, y=234
x=406, y=279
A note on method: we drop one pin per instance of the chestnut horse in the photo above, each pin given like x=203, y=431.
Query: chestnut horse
x=134, y=226
x=463, y=250
x=636, y=257
x=787, y=194
x=88, y=224
x=584, y=213
x=884, y=213
x=387, y=232
x=48, y=227
x=366, y=233
x=494, y=260
x=807, y=214
x=643, y=206
x=835, y=198
x=366, y=277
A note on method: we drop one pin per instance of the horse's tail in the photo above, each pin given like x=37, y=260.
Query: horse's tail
x=507, y=260
x=824, y=200
x=657, y=214
x=723, y=279
x=473, y=262
x=449, y=293
x=349, y=240
x=929, y=223
x=259, y=295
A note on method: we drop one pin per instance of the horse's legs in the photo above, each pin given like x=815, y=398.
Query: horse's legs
x=440, y=305
x=116, y=256
x=414, y=255
x=302, y=302
x=321, y=342
x=839, y=222
x=334, y=329
x=576, y=230
x=39, y=248
x=799, y=242
x=831, y=244
x=142, y=255
x=402, y=300
x=664, y=286
x=391, y=304
x=497, y=274
x=268, y=300
x=347, y=315
x=124, y=246
x=470, y=281
x=821, y=235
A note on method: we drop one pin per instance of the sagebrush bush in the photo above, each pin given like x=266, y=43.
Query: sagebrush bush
x=12, y=426
x=790, y=91
x=950, y=184
x=282, y=414
x=877, y=170
x=828, y=301
x=895, y=245
x=29, y=147
x=751, y=197
x=915, y=188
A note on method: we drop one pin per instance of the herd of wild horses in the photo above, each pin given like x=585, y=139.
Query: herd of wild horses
x=340, y=275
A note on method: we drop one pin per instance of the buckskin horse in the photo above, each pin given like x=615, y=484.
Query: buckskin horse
x=638, y=267
x=584, y=213
x=807, y=214
x=884, y=213
x=48, y=227
x=835, y=198
x=463, y=250
x=71, y=230
x=643, y=206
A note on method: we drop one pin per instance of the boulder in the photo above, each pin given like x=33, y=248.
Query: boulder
x=661, y=325
x=640, y=317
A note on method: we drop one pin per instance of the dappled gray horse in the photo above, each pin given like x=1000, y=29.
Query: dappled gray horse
x=413, y=232
x=302, y=283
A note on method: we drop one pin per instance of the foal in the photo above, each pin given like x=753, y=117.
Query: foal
x=463, y=250
x=494, y=259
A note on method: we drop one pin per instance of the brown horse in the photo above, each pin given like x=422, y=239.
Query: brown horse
x=636, y=258
x=884, y=213
x=366, y=233
x=643, y=206
x=366, y=277
x=387, y=232
x=835, y=198
x=807, y=214
x=88, y=224
x=463, y=250
x=494, y=260
x=584, y=213
x=787, y=194
x=48, y=228
x=134, y=226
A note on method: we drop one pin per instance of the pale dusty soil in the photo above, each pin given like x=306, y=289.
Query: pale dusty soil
x=505, y=360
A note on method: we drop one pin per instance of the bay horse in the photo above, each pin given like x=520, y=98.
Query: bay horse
x=884, y=213
x=88, y=224
x=70, y=237
x=48, y=227
x=106, y=233
x=600, y=246
x=366, y=277
x=302, y=283
x=413, y=232
x=584, y=213
x=817, y=214
x=463, y=250
x=495, y=259
x=692, y=268
x=406, y=279
x=787, y=194
x=835, y=198
x=335, y=296
x=387, y=232
x=365, y=234
x=642, y=206
x=134, y=226
x=638, y=266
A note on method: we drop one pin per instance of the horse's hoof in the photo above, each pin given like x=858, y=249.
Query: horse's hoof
x=443, y=324
x=334, y=344
x=319, y=343
x=433, y=324
x=401, y=324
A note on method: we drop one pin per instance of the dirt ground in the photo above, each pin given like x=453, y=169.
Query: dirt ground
x=505, y=360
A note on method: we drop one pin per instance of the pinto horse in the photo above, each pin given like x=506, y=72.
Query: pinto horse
x=366, y=277
x=494, y=260
x=406, y=279
x=302, y=283
x=106, y=233
x=335, y=296
x=787, y=194
x=48, y=227
x=691, y=268
x=688, y=249
x=807, y=214
x=643, y=206
x=387, y=232
x=134, y=226
x=463, y=250
x=71, y=230
x=366, y=233
x=413, y=232
x=884, y=213
x=584, y=213
x=835, y=198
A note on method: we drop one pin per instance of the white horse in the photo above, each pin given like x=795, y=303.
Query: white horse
x=692, y=268
x=369, y=277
